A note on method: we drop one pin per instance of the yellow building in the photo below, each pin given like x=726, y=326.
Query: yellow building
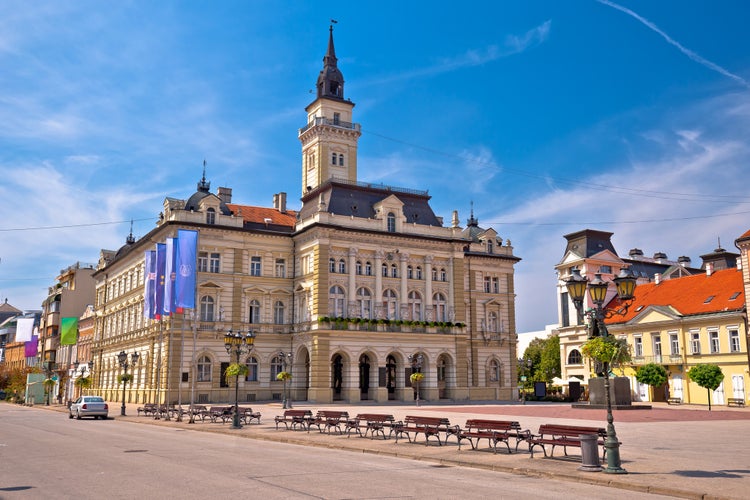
x=361, y=286
x=682, y=322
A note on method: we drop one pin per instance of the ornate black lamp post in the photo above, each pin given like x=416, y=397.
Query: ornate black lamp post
x=416, y=367
x=122, y=358
x=597, y=287
x=286, y=359
x=83, y=370
x=525, y=365
x=49, y=367
x=239, y=344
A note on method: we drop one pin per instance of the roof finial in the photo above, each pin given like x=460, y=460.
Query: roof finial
x=472, y=220
x=130, y=239
x=203, y=185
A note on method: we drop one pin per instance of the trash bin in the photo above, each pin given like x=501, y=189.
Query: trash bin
x=590, y=453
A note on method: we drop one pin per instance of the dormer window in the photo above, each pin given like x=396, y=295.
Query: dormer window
x=391, y=222
x=489, y=246
x=211, y=216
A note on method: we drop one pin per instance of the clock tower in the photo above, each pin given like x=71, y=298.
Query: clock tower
x=329, y=140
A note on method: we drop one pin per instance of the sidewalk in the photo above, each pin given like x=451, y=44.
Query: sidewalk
x=685, y=451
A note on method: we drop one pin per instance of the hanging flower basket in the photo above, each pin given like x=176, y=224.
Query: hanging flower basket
x=416, y=377
x=607, y=349
x=236, y=370
x=124, y=378
x=83, y=382
x=48, y=383
x=284, y=376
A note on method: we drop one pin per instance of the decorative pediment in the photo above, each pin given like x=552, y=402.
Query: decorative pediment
x=254, y=289
x=209, y=284
x=656, y=314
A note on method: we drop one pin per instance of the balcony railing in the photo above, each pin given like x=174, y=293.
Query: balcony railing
x=660, y=359
x=319, y=120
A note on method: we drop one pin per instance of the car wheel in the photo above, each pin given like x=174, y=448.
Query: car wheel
x=70, y=414
x=78, y=415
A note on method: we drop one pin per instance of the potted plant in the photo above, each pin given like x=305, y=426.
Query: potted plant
x=415, y=379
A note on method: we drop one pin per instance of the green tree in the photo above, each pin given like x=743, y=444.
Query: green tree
x=708, y=376
x=651, y=374
x=549, y=363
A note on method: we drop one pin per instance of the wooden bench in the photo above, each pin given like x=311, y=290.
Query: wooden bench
x=293, y=418
x=564, y=435
x=216, y=413
x=735, y=402
x=326, y=420
x=148, y=409
x=374, y=423
x=494, y=431
x=429, y=426
x=674, y=401
x=247, y=415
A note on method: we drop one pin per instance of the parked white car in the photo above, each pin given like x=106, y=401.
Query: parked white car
x=89, y=406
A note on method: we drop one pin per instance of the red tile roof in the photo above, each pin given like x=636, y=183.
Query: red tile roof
x=746, y=235
x=688, y=295
x=260, y=214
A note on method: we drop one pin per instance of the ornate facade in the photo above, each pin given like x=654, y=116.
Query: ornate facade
x=346, y=293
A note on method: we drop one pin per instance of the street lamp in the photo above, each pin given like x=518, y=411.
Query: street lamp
x=625, y=283
x=239, y=344
x=525, y=364
x=82, y=370
x=286, y=360
x=49, y=367
x=416, y=367
x=122, y=358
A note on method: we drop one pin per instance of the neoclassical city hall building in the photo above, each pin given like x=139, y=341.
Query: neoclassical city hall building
x=351, y=294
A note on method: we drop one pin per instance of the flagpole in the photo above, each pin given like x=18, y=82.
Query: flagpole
x=158, y=375
x=179, y=372
x=169, y=364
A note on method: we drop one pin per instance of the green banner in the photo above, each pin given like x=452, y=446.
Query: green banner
x=68, y=331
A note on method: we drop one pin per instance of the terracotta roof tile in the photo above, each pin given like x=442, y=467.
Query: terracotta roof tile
x=688, y=295
x=746, y=235
x=259, y=215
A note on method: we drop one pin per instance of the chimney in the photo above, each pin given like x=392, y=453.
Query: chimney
x=636, y=252
x=657, y=278
x=683, y=260
x=225, y=194
x=709, y=268
x=279, y=202
x=660, y=255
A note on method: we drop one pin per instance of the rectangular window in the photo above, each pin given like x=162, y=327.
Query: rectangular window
x=202, y=262
x=487, y=284
x=564, y=309
x=657, y=343
x=605, y=269
x=638, y=351
x=674, y=344
x=254, y=266
x=214, y=263
x=714, y=341
x=495, y=285
x=281, y=268
x=695, y=342
x=734, y=340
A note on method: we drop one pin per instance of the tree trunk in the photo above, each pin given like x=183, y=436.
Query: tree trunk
x=709, y=399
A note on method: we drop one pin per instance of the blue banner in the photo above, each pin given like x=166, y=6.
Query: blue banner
x=187, y=248
x=161, y=261
x=149, y=283
x=169, y=273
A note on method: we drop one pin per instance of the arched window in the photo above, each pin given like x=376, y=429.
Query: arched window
x=336, y=302
x=415, y=306
x=419, y=273
x=254, y=312
x=574, y=358
x=409, y=272
x=277, y=366
x=207, y=308
x=364, y=303
x=211, y=216
x=390, y=300
x=204, y=369
x=391, y=222
x=278, y=313
x=359, y=267
x=442, y=369
x=341, y=160
x=492, y=322
x=342, y=266
x=331, y=265
x=368, y=269
x=384, y=268
x=443, y=275
x=333, y=158
x=439, y=307
x=494, y=370
x=252, y=369
x=394, y=271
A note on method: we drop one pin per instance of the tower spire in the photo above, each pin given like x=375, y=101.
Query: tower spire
x=130, y=239
x=330, y=80
x=204, y=185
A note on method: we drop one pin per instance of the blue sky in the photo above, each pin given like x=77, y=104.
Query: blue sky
x=550, y=116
